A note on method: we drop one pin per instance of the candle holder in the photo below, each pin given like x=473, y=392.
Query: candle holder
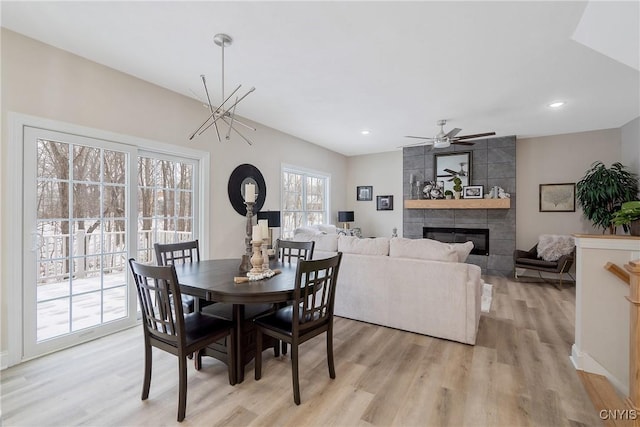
x=265, y=254
x=256, y=259
x=245, y=265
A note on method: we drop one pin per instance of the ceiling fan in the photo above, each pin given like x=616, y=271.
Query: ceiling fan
x=444, y=140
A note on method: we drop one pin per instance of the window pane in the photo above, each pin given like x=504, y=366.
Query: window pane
x=86, y=201
x=53, y=199
x=114, y=167
x=146, y=172
x=53, y=160
x=86, y=163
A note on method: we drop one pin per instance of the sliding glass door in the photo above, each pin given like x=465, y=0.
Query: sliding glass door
x=78, y=234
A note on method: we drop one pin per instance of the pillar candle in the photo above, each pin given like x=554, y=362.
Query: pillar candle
x=256, y=235
x=250, y=193
x=264, y=228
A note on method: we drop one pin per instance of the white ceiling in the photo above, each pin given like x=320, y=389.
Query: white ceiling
x=323, y=71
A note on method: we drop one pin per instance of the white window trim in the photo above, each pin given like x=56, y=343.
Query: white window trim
x=16, y=123
x=293, y=168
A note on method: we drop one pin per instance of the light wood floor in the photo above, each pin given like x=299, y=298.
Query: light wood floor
x=518, y=374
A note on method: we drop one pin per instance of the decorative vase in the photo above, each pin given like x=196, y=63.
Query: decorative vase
x=634, y=228
x=457, y=194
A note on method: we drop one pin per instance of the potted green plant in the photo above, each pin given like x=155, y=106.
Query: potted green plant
x=602, y=191
x=457, y=187
x=628, y=217
x=448, y=194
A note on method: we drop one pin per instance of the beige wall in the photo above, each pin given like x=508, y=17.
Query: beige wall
x=557, y=159
x=43, y=81
x=630, y=135
x=383, y=171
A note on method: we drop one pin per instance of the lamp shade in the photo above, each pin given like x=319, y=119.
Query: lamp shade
x=345, y=216
x=273, y=218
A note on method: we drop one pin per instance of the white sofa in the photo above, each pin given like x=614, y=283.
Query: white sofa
x=417, y=285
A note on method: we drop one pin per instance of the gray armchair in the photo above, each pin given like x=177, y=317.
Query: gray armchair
x=529, y=260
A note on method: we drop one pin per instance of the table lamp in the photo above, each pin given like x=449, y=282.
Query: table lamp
x=345, y=217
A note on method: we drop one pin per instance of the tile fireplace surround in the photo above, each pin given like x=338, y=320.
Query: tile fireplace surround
x=493, y=163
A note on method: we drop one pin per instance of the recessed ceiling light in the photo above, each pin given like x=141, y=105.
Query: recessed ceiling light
x=365, y=131
x=556, y=104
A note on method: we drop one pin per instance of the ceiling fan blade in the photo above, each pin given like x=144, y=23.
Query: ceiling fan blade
x=463, y=142
x=418, y=137
x=477, y=135
x=451, y=171
x=453, y=132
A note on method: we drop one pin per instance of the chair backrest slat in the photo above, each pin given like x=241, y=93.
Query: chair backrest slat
x=171, y=253
x=160, y=300
x=315, y=289
x=290, y=249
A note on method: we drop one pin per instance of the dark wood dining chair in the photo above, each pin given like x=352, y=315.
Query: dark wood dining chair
x=291, y=249
x=310, y=315
x=170, y=253
x=167, y=327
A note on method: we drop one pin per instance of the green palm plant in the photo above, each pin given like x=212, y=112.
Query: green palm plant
x=602, y=191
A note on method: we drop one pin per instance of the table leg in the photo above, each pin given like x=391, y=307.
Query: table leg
x=238, y=318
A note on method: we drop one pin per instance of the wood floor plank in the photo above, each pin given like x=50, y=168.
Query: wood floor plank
x=517, y=374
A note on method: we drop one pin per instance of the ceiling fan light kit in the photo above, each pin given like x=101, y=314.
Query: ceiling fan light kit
x=223, y=113
x=444, y=140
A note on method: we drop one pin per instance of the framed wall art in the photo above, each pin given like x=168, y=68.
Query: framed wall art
x=384, y=203
x=450, y=165
x=472, y=192
x=364, y=193
x=558, y=197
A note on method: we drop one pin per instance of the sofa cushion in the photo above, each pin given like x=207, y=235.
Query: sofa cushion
x=327, y=228
x=463, y=250
x=324, y=242
x=354, y=245
x=401, y=247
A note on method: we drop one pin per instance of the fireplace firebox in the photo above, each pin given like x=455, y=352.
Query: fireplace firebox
x=479, y=237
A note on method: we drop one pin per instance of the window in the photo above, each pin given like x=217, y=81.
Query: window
x=305, y=199
x=165, y=203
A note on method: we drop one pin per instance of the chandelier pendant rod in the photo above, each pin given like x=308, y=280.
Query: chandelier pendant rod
x=212, y=115
x=224, y=112
x=206, y=90
x=241, y=135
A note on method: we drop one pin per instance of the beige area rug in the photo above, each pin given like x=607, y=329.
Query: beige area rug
x=487, y=296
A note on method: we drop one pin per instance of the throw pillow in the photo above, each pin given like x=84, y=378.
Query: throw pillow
x=354, y=245
x=428, y=249
x=553, y=246
x=463, y=250
x=326, y=242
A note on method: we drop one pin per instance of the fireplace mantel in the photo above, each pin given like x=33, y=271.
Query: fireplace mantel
x=458, y=204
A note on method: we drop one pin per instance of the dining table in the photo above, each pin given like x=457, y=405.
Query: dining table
x=213, y=280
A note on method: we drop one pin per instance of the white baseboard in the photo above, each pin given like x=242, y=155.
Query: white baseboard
x=583, y=362
x=4, y=360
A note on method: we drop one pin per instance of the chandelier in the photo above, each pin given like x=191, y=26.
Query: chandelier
x=223, y=113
